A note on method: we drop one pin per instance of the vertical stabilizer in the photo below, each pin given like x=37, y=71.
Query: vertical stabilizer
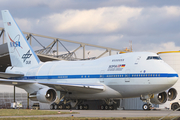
x=21, y=53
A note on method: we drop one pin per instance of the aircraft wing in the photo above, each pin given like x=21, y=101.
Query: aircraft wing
x=9, y=75
x=15, y=82
x=75, y=87
x=69, y=87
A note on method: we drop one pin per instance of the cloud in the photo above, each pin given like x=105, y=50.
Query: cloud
x=106, y=25
x=169, y=46
x=113, y=20
x=172, y=10
x=25, y=24
x=152, y=47
x=94, y=21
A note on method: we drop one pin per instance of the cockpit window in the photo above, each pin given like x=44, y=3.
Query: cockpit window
x=153, y=58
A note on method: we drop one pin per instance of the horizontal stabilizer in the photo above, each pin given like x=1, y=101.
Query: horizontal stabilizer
x=9, y=75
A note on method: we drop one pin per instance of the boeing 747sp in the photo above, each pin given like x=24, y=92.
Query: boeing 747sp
x=135, y=74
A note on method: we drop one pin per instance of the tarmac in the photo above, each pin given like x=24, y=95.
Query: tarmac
x=109, y=113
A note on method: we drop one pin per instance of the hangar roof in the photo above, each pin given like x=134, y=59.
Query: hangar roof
x=5, y=58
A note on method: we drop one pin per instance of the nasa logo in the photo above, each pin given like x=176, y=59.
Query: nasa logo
x=15, y=44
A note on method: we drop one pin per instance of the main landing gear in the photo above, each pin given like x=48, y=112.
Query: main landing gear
x=82, y=107
x=147, y=105
x=79, y=104
x=62, y=105
x=106, y=107
x=109, y=104
x=58, y=104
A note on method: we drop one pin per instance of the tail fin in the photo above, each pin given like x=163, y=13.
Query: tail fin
x=21, y=53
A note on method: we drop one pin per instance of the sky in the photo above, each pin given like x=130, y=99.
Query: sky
x=151, y=25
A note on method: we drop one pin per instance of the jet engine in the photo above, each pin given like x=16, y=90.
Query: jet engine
x=172, y=94
x=45, y=95
x=159, y=98
x=162, y=97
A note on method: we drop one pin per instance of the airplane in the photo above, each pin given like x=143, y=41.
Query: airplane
x=128, y=75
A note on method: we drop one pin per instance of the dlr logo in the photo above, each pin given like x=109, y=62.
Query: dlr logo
x=15, y=44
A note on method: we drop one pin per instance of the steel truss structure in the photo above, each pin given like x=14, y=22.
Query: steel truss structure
x=69, y=55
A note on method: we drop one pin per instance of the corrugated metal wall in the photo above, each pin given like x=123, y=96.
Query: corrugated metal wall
x=132, y=103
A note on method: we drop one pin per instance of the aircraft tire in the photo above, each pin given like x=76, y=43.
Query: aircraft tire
x=174, y=106
x=52, y=106
x=102, y=107
x=55, y=106
x=81, y=107
x=146, y=107
x=106, y=107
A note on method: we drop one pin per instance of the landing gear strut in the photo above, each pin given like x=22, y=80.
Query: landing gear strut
x=147, y=105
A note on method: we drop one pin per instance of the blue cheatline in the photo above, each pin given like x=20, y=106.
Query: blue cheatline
x=142, y=75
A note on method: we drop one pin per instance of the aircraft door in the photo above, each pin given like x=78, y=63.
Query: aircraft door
x=102, y=76
x=127, y=76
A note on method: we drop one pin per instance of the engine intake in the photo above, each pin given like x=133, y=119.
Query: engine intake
x=159, y=98
x=172, y=94
x=45, y=95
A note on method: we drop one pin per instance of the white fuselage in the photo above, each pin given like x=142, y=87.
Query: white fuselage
x=126, y=75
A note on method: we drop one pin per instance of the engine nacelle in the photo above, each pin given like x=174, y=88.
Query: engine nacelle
x=159, y=98
x=45, y=95
x=172, y=94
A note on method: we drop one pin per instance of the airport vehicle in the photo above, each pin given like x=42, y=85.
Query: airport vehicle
x=127, y=75
x=175, y=105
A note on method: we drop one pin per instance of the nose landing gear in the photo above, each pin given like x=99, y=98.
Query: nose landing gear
x=147, y=105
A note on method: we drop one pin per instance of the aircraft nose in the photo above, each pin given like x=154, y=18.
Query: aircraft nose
x=172, y=78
